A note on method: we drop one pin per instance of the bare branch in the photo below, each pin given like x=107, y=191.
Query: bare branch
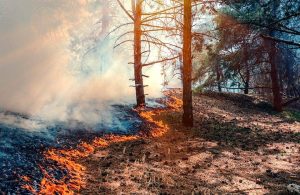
x=160, y=61
x=125, y=10
x=122, y=43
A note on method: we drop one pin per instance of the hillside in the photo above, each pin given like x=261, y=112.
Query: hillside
x=238, y=145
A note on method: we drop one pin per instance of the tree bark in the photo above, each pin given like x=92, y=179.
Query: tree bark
x=277, y=99
x=218, y=72
x=247, y=77
x=246, y=90
x=139, y=85
x=187, y=118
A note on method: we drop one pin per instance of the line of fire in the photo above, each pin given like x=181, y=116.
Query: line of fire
x=149, y=97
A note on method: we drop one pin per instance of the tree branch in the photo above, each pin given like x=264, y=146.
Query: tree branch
x=280, y=40
x=125, y=10
x=163, y=60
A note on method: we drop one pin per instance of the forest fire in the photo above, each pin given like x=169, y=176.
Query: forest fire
x=73, y=178
x=172, y=103
x=65, y=159
x=80, y=82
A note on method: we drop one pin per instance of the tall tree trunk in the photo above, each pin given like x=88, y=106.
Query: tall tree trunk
x=247, y=77
x=289, y=75
x=218, y=71
x=187, y=118
x=139, y=86
x=277, y=99
x=246, y=90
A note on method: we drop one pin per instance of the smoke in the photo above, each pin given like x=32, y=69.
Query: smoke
x=37, y=64
x=55, y=65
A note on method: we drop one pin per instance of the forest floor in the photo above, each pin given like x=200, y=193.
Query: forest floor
x=238, y=145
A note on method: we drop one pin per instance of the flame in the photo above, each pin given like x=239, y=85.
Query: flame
x=159, y=128
x=68, y=159
x=173, y=102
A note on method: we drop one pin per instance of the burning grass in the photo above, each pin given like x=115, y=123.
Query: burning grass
x=67, y=160
x=223, y=153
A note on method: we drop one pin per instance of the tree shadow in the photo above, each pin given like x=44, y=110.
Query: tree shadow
x=278, y=181
x=131, y=168
x=244, y=138
x=243, y=101
x=228, y=137
x=252, y=104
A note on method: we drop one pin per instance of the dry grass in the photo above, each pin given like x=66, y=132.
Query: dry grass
x=236, y=146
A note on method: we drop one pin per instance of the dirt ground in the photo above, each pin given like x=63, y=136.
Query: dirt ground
x=238, y=146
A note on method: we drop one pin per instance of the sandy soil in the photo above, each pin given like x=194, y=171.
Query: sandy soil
x=238, y=146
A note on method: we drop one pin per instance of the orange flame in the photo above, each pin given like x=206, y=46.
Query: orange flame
x=173, y=102
x=67, y=159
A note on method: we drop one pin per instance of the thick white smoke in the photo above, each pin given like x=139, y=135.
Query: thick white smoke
x=40, y=74
x=46, y=71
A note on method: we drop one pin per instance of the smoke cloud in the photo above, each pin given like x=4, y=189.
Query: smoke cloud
x=41, y=68
x=56, y=65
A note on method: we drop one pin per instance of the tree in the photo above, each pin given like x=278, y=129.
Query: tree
x=271, y=46
x=257, y=53
x=144, y=24
x=138, y=75
x=187, y=117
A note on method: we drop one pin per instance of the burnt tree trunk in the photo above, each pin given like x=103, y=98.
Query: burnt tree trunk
x=139, y=85
x=187, y=118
